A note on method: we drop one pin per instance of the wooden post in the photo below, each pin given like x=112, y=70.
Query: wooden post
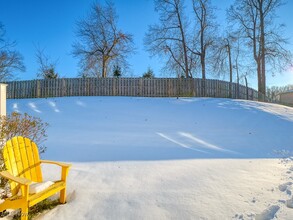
x=246, y=84
x=3, y=88
x=38, y=93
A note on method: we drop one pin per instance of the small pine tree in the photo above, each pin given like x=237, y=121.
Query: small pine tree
x=149, y=74
x=117, y=71
x=50, y=74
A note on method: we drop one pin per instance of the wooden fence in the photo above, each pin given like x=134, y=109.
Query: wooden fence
x=157, y=87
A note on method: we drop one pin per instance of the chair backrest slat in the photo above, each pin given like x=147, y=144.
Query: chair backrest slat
x=21, y=158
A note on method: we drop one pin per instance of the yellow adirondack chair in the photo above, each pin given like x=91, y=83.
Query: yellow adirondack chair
x=23, y=164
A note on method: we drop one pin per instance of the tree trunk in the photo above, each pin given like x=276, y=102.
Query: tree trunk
x=259, y=78
x=202, y=60
x=230, y=69
x=203, y=73
x=186, y=71
x=246, y=85
x=104, y=69
x=263, y=61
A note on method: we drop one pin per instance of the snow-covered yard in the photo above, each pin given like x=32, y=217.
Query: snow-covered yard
x=168, y=158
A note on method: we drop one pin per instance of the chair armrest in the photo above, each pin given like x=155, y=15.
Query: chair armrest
x=65, y=168
x=20, y=180
x=56, y=163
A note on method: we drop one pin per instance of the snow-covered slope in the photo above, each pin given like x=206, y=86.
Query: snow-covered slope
x=168, y=158
x=122, y=128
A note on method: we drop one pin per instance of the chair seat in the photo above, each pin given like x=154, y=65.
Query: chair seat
x=51, y=190
x=35, y=198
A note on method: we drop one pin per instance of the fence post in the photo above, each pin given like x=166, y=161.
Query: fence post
x=63, y=88
x=38, y=93
x=114, y=86
x=3, y=91
x=140, y=87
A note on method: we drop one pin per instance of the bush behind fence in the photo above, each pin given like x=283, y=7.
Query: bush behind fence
x=157, y=87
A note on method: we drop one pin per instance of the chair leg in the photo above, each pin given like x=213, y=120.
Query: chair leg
x=63, y=196
x=24, y=213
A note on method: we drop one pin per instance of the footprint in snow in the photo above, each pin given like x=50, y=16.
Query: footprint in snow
x=268, y=214
x=238, y=217
x=244, y=216
x=288, y=191
x=284, y=187
x=289, y=203
x=290, y=170
x=282, y=201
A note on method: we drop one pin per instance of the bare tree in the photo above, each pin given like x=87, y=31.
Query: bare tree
x=169, y=37
x=47, y=68
x=101, y=44
x=255, y=19
x=10, y=59
x=205, y=31
x=228, y=57
x=223, y=58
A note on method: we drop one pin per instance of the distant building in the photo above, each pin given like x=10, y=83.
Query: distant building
x=285, y=97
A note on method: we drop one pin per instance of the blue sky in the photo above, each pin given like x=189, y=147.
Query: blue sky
x=51, y=24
